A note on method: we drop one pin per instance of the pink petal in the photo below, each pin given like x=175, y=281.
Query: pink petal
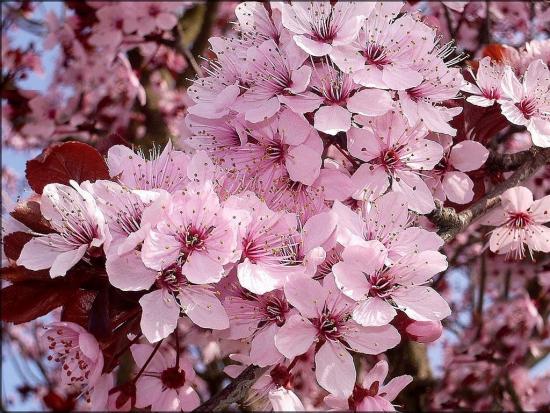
x=363, y=144
x=368, y=256
x=373, y=312
x=421, y=303
x=418, y=195
x=128, y=273
x=334, y=369
x=320, y=230
x=200, y=268
x=300, y=79
x=395, y=385
x=418, y=268
x=262, y=112
x=140, y=354
x=67, y=260
x=304, y=103
x=148, y=389
x=377, y=373
x=412, y=240
x=369, y=76
x=540, y=210
x=293, y=128
x=351, y=280
x=400, y=77
x=538, y=238
x=168, y=401
x=159, y=250
x=189, y=399
x=203, y=308
x=159, y=316
x=370, y=102
x=337, y=184
x=295, y=337
x=312, y=47
x=517, y=199
x=369, y=183
x=458, y=187
x=303, y=164
x=306, y=294
x=262, y=350
x=257, y=278
x=372, y=340
x=332, y=119
x=468, y=155
x=283, y=400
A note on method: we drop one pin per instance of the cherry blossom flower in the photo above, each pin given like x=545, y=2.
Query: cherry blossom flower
x=487, y=88
x=79, y=230
x=527, y=103
x=338, y=89
x=448, y=179
x=372, y=395
x=520, y=222
x=384, y=53
x=397, y=153
x=263, y=245
x=320, y=26
x=324, y=319
x=77, y=351
x=388, y=221
x=257, y=24
x=165, y=170
x=259, y=317
x=165, y=384
x=363, y=277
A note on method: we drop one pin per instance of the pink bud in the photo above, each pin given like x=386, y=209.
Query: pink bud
x=424, y=331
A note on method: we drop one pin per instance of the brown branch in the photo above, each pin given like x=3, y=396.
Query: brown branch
x=451, y=223
x=499, y=162
x=234, y=392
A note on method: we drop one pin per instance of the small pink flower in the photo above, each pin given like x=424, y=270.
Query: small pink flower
x=378, y=288
x=448, y=179
x=372, y=395
x=487, y=88
x=320, y=25
x=77, y=351
x=79, y=230
x=393, y=152
x=520, y=222
x=165, y=170
x=165, y=384
x=325, y=320
x=527, y=103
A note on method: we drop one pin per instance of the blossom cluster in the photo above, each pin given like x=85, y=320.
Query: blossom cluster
x=294, y=225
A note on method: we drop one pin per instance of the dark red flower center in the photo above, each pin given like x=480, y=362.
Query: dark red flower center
x=281, y=376
x=173, y=378
x=519, y=219
x=527, y=107
x=359, y=394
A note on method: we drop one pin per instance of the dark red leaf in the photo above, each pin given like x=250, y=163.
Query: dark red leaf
x=77, y=310
x=61, y=162
x=14, y=242
x=104, y=145
x=28, y=300
x=19, y=274
x=99, y=323
x=28, y=213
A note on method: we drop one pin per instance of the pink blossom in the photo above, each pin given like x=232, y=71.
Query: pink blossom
x=319, y=26
x=388, y=221
x=487, y=88
x=151, y=16
x=372, y=395
x=324, y=319
x=397, y=153
x=528, y=103
x=77, y=351
x=256, y=23
x=338, y=89
x=448, y=179
x=273, y=73
x=160, y=170
x=258, y=317
x=520, y=222
x=79, y=230
x=264, y=244
x=165, y=384
x=383, y=55
x=379, y=288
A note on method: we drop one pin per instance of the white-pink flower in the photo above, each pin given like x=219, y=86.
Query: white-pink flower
x=380, y=289
x=487, y=88
x=165, y=384
x=520, y=222
x=448, y=179
x=77, y=351
x=395, y=153
x=324, y=320
x=319, y=26
x=372, y=395
x=79, y=230
x=528, y=103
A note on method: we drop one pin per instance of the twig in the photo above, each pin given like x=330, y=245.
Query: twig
x=509, y=387
x=451, y=223
x=234, y=392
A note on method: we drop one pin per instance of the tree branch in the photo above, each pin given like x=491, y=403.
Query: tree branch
x=234, y=392
x=451, y=223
